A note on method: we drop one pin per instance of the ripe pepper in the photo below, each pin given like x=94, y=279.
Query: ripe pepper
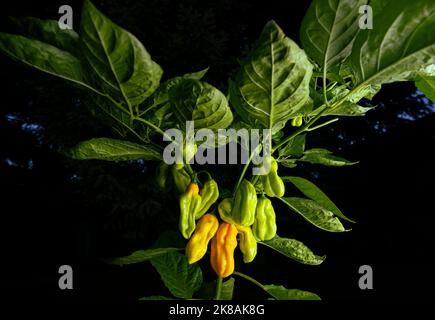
x=180, y=178
x=204, y=231
x=209, y=194
x=190, y=201
x=162, y=175
x=248, y=243
x=272, y=183
x=264, y=226
x=296, y=122
x=240, y=209
x=223, y=245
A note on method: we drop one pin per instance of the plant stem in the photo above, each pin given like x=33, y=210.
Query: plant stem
x=301, y=129
x=323, y=124
x=254, y=179
x=242, y=275
x=218, y=288
x=189, y=169
x=123, y=124
x=242, y=175
x=325, y=98
x=157, y=129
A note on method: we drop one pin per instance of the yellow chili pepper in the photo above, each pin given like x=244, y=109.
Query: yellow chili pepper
x=205, y=230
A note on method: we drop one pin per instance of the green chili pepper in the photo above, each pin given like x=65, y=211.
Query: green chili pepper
x=209, y=194
x=180, y=178
x=297, y=122
x=248, y=243
x=190, y=201
x=272, y=183
x=264, y=226
x=162, y=175
x=240, y=209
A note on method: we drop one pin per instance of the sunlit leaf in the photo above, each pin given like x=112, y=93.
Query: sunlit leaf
x=112, y=150
x=315, y=214
x=294, y=249
x=282, y=293
x=273, y=83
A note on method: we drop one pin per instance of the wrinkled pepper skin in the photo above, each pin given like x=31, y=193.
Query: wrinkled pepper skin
x=244, y=203
x=297, y=122
x=272, y=183
x=264, y=227
x=209, y=194
x=190, y=201
x=223, y=245
x=180, y=178
x=248, y=243
x=224, y=209
x=205, y=230
x=162, y=175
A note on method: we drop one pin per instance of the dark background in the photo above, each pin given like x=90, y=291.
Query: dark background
x=56, y=211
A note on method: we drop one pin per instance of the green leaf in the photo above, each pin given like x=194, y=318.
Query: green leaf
x=140, y=256
x=401, y=43
x=112, y=150
x=181, y=278
x=272, y=85
x=295, y=147
x=201, y=102
x=109, y=114
x=288, y=163
x=161, y=95
x=227, y=289
x=156, y=298
x=315, y=214
x=324, y=157
x=44, y=57
x=48, y=31
x=282, y=293
x=329, y=29
x=313, y=192
x=295, y=250
x=426, y=84
x=347, y=108
x=120, y=62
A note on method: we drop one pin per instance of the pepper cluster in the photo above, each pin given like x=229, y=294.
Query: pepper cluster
x=244, y=216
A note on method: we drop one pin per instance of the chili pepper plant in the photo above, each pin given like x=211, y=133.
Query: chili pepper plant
x=286, y=88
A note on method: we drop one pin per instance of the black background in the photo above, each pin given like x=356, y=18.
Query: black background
x=56, y=211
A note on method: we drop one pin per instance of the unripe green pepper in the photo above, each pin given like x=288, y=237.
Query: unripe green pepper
x=190, y=201
x=162, y=175
x=204, y=231
x=297, y=121
x=272, y=183
x=264, y=226
x=240, y=209
x=224, y=209
x=180, y=178
x=248, y=243
x=209, y=194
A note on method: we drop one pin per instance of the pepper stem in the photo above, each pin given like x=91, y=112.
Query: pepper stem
x=218, y=288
